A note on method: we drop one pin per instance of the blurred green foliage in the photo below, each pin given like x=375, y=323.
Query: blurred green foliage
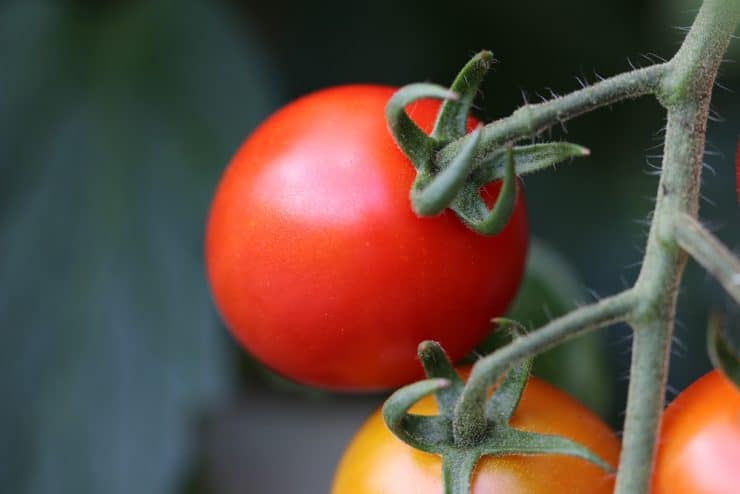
x=116, y=118
x=114, y=124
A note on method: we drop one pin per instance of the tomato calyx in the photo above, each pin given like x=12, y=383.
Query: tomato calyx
x=460, y=453
x=457, y=184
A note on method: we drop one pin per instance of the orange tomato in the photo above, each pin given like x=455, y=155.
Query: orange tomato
x=699, y=445
x=377, y=462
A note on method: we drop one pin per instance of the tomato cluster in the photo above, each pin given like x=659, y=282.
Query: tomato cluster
x=321, y=270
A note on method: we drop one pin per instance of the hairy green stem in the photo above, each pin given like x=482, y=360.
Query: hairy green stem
x=658, y=285
x=457, y=472
x=470, y=420
x=645, y=400
x=530, y=120
x=685, y=91
x=707, y=250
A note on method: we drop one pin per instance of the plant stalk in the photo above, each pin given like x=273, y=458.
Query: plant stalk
x=708, y=251
x=470, y=421
x=684, y=87
x=685, y=91
x=531, y=119
x=457, y=472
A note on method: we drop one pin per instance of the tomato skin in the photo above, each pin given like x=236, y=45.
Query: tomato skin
x=699, y=444
x=318, y=264
x=377, y=462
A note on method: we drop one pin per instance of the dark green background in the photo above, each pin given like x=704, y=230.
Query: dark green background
x=116, y=119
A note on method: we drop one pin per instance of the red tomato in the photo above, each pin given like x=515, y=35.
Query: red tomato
x=318, y=264
x=376, y=462
x=699, y=448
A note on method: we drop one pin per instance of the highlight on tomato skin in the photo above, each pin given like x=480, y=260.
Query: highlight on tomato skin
x=699, y=441
x=376, y=462
x=320, y=268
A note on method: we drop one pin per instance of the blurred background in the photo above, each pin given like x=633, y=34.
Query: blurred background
x=116, y=120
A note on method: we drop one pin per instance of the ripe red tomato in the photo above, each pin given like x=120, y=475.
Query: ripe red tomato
x=376, y=462
x=320, y=268
x=699, y=444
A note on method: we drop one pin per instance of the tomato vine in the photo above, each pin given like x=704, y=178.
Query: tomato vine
x=683, y=86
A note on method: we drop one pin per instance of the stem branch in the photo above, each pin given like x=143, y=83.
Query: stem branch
x=532, y=119
x=685, y=91
x=645, y=399
x=708, y=251
x=470, y=412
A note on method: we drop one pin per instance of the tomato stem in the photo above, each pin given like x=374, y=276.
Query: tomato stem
x=457, y=472
x=530, y=120
x=645, y=400
x=470, y=414
x=684, y=87
x=708, y=251
x=685, y=92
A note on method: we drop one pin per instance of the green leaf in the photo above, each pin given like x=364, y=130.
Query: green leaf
x=115, y=123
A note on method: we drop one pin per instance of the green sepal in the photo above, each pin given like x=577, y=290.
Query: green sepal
x=431, y=194
x=431, y=434
x=435, y=434
x=507, y=162
x=510, y=441
x=437, y=364
x=452, y=120
x=471, y=208
x=413, y=141
x=426, y=433
x=457, y=183
x=502, y=404
x=528, y=159
x=723, y=355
